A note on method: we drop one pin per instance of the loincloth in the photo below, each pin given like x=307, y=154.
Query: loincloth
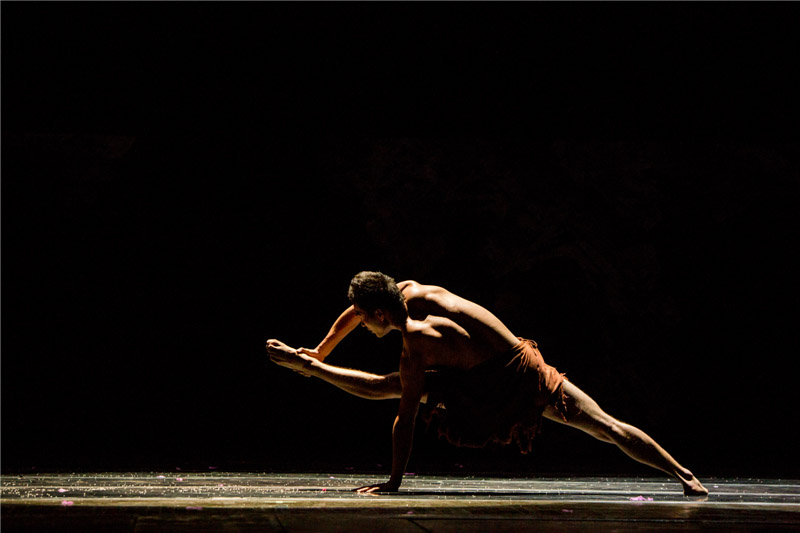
x=497, y=401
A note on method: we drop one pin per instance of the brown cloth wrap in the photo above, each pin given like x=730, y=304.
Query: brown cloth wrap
x=496, y=401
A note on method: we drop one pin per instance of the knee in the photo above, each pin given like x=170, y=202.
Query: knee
x=622, y=433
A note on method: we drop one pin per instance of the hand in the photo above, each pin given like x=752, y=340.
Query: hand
x=389, y=486
x=287, y=356
x=313, y=352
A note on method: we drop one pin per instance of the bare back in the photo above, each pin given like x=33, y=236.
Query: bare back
x=450, y=330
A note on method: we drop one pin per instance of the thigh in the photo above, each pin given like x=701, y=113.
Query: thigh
x=582, y=413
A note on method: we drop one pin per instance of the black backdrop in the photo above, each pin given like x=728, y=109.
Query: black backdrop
x=183, y=182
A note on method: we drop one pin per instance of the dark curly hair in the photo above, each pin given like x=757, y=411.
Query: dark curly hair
x=375, y=290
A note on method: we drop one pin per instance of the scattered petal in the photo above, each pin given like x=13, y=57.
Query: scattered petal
x=62, y=490
x=67, y=503
x=161, y=477
x=178, y=479
x=567, y=511
x=641, y=499
x=194, y=508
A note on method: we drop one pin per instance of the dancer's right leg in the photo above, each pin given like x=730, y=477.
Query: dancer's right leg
x=584, y=413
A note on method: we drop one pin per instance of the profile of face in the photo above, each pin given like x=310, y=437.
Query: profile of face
x=377, y=322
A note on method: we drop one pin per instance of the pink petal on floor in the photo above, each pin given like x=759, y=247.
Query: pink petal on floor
x=194, y=508
x=67, y=503
x=567, y=511
x=62, y=490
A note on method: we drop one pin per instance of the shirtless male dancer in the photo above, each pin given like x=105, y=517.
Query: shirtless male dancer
x=485, y=383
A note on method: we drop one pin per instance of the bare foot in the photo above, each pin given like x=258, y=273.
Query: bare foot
x=692, y=485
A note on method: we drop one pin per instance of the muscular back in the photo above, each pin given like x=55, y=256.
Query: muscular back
x=452, y=330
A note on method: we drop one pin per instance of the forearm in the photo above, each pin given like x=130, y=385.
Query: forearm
x=343, y=325
x=357, y=382
x=402, y=438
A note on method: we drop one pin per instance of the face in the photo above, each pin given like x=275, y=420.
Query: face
x=376, y=322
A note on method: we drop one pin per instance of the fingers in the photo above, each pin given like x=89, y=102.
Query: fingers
x=376, y=489
x=275, y=346
x=275, y=343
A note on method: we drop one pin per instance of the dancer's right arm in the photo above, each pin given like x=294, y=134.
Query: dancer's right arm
x=346, y=323
x=356, y=382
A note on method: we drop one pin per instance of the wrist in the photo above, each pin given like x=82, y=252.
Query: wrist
x=311, y=366
x=323, y=352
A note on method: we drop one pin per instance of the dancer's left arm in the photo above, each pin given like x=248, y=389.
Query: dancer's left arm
x=412, y=378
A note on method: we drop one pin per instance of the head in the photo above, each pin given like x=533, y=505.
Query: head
x=378, y=302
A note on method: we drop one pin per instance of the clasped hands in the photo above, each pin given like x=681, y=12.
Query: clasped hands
x=298, y=360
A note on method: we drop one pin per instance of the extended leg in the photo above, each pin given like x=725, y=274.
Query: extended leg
x=356, y=382
x=584, y=413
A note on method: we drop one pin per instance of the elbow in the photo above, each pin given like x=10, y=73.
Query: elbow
x=391, y=387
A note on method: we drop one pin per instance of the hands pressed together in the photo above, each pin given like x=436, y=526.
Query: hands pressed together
x=298, y=360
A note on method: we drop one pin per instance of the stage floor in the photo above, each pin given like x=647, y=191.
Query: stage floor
x=313, y=502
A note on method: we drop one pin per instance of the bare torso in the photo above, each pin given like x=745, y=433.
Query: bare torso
x=447, y=330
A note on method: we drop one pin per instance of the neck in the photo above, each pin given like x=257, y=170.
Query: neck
x=400, y=325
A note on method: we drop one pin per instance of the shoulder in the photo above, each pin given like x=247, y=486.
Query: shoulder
x=414, y=289
x=419, y=330
x=420, y=338
x=408, y=286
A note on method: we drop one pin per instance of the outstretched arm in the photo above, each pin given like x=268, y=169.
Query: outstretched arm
x=347, y=322
x=356, y=382
x=343, y=325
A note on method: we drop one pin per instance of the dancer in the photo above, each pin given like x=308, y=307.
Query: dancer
x=479, y=381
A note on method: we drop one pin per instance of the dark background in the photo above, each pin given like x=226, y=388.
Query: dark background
x=181, y=182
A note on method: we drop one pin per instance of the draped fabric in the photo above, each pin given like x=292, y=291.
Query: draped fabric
x=498, y=401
